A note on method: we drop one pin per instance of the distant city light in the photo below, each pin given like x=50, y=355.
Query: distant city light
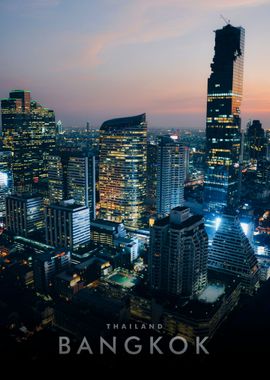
x=245, y=228
x=217, y=223
x=261, y=250
x=174, y=137
x=3, y=179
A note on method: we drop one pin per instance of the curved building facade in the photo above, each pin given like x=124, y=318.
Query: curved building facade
x=122, y=170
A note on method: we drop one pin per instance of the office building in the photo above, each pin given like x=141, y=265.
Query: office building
x=72, y=175
x=59, y=127
x=231, y=253
x=267, y=136
x=152, y=166
x=170, y=175
x=81, y=181
x=129, y=246
x=105, y=232
x=6, y=183
x=178, y=254
x=223, y=135
x=24, y=214
x=186, y=163
x=29, y=132
x=46, y=266
x=67, y=225
x=122, y=170
x=57, y=175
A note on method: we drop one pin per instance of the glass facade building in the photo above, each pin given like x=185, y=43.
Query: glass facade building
x=152, y=166
x=29, y=132
x=81, y=181
x=223, y=124
x=231, y=253
x=170, y=175
x=72, y=175
x=122, y=170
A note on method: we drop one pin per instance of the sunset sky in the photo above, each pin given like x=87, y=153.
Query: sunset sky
x=91, y=60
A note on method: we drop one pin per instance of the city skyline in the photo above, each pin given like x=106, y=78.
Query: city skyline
x=81, y=66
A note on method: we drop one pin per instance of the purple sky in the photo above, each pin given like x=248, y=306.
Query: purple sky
x=91, y=60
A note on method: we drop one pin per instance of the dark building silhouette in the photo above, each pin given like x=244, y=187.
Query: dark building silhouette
x=223, y=137
x=256, y=142
x=46, y=266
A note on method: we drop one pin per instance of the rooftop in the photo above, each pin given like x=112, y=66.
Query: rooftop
x=24, y=196
x=185, y=224
x=68, y=204
x=123, y=122
x=102, y=222
x=123, y=279
x=34, y=243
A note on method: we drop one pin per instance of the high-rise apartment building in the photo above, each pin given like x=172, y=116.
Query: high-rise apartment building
x=231, y=253
x=178, y=254
x=223, y=135
x=170, y=175
x=122, y=170
x=24, y=214
x=29, y=132
x=67, y=225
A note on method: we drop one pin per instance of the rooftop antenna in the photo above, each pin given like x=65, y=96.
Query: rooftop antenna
x=226, y=20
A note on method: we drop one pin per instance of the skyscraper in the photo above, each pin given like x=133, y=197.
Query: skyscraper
x=24, y=214
x=72, y=175
x=170, y=175
x=67, y=225
x=81, y=181
x=223, y=135
x=57, y=177
x=232, y=254
x=122, y=170
x=152, y=166
x=29, y=133
x=178, y=254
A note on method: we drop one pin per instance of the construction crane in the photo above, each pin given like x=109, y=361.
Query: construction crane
x=227, y=21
